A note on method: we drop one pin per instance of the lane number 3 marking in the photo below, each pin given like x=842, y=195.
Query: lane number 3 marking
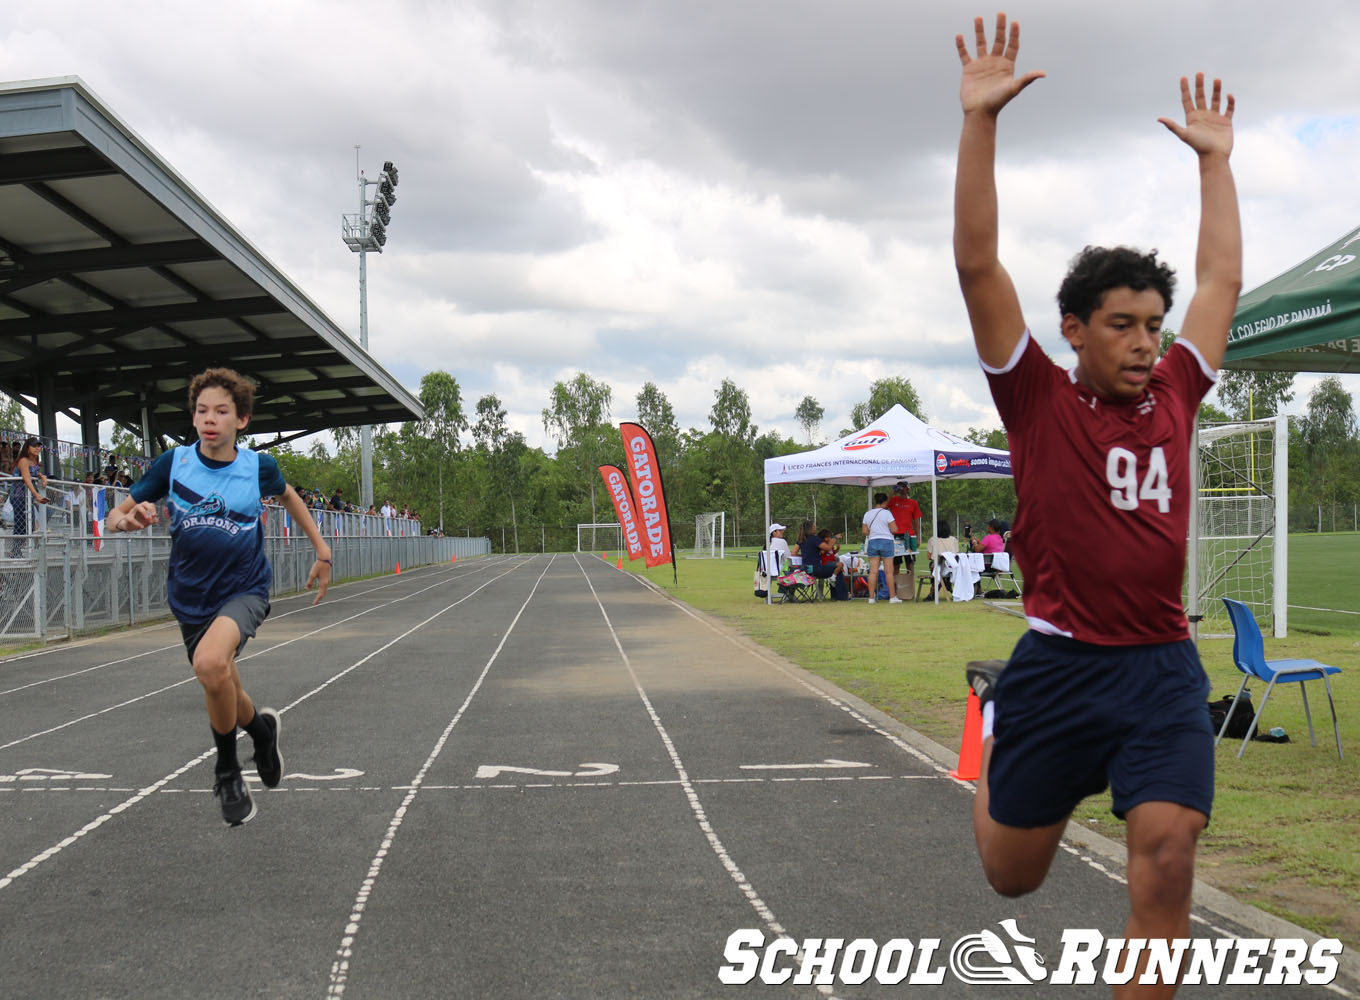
x=1121, y=472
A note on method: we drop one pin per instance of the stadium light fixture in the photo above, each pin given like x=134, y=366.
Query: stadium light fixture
x=365, y=232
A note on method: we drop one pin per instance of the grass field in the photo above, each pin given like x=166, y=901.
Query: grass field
x=1283, y=831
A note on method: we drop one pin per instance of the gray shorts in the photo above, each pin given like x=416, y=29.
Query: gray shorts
x=248, y=611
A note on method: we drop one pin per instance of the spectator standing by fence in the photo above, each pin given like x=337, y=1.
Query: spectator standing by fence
x=25, y=497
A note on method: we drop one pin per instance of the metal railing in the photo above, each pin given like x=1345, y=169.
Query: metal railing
x=61, y=578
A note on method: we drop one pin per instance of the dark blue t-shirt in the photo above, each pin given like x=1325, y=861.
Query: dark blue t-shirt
x=217, y=543
x=811, y=547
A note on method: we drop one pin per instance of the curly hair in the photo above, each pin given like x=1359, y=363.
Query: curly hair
x=1096, y=270
x=241, y=389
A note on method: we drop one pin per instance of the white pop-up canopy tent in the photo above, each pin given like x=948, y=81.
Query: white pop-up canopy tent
x=897, y=446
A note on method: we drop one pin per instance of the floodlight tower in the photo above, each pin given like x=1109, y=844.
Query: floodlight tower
x=363, y=232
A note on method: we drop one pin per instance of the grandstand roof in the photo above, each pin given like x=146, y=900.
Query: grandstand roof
x=119, y=282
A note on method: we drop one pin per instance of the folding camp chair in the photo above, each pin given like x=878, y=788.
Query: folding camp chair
x=797, y=587
x=1250, y=656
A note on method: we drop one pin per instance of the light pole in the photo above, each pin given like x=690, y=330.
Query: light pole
x=362, y=232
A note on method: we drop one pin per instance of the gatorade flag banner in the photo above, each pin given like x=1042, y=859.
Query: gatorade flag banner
x=617, y=486
x=651, y=501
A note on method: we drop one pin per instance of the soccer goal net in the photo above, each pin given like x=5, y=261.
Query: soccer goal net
x=709, y=535
x=599, y=538
x=1239, y=541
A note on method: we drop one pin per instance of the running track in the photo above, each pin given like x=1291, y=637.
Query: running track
x=507, y=777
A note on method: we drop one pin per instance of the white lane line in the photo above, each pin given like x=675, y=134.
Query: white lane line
x=339, y=975
x=100, y=820
x=725, y=859
x=662, y=782
x=161, y=649
x=248, y=656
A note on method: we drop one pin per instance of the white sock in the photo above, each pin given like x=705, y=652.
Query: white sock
x=988, y=718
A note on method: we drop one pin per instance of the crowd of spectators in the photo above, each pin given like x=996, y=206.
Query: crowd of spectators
x=317, y=500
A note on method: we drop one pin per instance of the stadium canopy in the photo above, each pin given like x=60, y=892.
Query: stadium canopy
x=119, y=282
x=1305, y=320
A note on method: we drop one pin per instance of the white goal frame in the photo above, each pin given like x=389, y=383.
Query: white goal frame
x=710, y=535
x=1214, y=555
x=612, y=532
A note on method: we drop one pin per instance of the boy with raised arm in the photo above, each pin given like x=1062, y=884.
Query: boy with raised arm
x=1106, y=687
x=219, y=579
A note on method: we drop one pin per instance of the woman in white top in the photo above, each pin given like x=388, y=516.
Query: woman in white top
x=778, y=548
x=879, y=528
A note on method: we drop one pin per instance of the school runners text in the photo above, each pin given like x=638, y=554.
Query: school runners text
x=1087, y=957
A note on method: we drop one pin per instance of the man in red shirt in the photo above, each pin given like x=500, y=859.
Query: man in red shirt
x=906, y=514
x=1106, y=686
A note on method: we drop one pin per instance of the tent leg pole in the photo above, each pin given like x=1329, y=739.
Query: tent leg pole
x=769, y=588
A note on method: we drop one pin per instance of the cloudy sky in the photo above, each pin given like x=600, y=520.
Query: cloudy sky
x=689, y=191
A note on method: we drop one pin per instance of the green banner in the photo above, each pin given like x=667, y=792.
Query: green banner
x=1305, y=320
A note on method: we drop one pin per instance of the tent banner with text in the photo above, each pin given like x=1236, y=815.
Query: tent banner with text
x=651, y=501
x=617, y=486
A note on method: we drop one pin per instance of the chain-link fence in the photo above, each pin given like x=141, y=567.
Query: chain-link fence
x=59, y=577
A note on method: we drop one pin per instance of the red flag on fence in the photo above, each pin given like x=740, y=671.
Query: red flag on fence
x=617, y=486
x=651, y=500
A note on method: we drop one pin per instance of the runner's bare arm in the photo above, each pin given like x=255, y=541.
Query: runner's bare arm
x=988, y=84
x=1218, y=261
x=130, y=516
x=320, y=573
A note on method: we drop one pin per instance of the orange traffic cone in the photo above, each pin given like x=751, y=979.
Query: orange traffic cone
x=398, y=569
x=620, y=562
x=605, y=556
x=453, y=559
x=970, y=751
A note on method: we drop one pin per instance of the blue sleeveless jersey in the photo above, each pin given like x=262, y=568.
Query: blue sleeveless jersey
x=217, y=541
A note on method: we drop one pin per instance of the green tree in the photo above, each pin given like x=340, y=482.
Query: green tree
x=883, y=394
x=577, y=415
x=809, y=414
x=736, y=435
x=11, y=414
x=1328, y=434
x=504, y=451
x=442, y=401
x=1252, y=395
x=654, y=412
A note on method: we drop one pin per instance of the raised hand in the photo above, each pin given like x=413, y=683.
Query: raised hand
x=1207, y=130
x=989, y=80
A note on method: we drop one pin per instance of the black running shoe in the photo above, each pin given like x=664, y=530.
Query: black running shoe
x=982, y=677
x=231, y=793
x=268, y=760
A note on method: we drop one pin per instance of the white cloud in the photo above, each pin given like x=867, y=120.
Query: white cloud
x=762, y=193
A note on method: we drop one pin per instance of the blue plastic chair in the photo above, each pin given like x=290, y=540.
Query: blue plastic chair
x=1249, y=654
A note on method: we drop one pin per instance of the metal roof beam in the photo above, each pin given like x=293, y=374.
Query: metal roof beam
x=52, y=165
x=139, y=317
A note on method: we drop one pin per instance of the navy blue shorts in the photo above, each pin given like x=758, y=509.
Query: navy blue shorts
x=1072, y=718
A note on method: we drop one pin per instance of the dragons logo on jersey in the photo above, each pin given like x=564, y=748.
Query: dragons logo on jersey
x=210, y=506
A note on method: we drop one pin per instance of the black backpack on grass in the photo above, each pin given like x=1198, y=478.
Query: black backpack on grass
x=1241, y=715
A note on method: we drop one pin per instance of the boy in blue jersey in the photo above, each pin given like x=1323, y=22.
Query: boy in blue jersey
x=219, y=579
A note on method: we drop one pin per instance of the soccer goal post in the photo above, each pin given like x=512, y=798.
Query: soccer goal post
x=710, y=540
x=1239, y=528
x=604, y=537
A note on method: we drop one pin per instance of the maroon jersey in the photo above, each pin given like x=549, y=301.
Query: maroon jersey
x=1104, y=496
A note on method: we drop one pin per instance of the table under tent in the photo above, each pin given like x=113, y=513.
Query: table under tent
x=896, y=447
